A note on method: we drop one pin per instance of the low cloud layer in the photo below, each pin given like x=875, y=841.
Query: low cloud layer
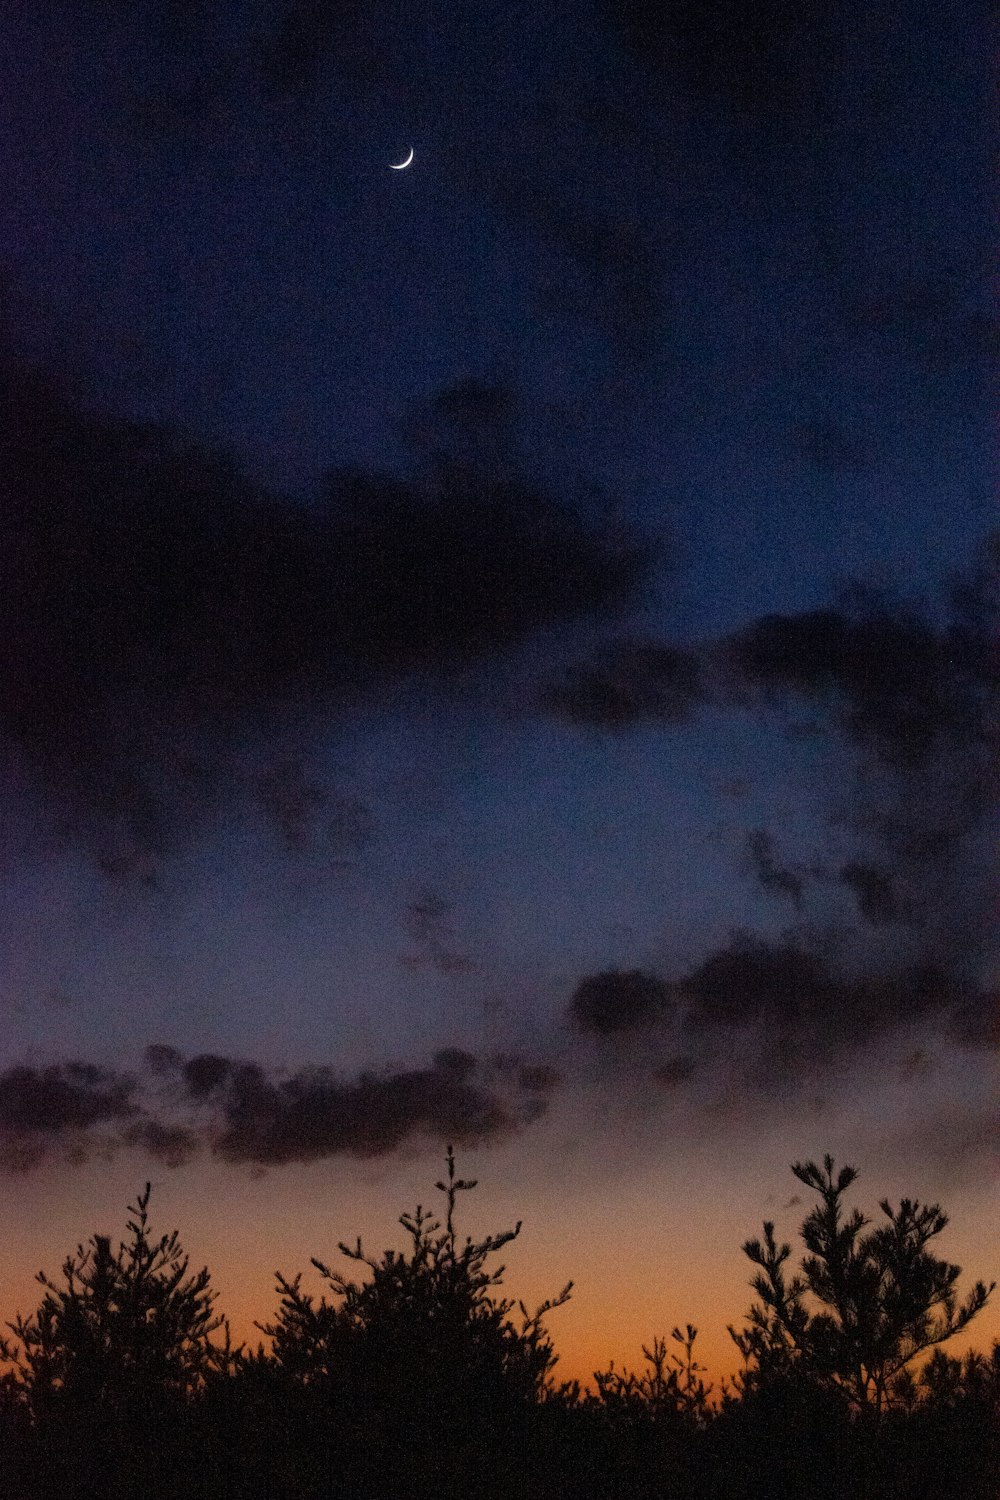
x=61, y=1105
x=749, y=1015
x=912, y=692
x=874, y=892
x=244, y=1113
x=619, y=1000
x=752, y=997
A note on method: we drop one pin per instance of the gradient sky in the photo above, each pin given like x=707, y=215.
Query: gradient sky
x=501, y=652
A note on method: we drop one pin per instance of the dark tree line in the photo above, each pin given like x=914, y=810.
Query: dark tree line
x=419, y=1377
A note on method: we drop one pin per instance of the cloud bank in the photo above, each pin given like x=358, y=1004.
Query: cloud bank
x=244, y=1113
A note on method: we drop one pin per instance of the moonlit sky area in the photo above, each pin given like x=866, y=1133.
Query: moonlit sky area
x=502, y=652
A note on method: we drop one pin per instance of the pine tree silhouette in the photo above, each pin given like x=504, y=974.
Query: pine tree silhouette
x=882, y=1298
x=113, y=1356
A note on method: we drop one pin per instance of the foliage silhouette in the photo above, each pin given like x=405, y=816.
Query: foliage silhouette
x=642, y=1432
x=417, y=1375
x=883, y=1297
x=421, y=1360
x=115, y=1352
x=668, y=1387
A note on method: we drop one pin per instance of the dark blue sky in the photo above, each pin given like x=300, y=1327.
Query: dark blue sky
x=556, y=619
x=747, y=293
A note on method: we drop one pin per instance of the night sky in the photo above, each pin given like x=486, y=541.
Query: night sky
x=500, y=652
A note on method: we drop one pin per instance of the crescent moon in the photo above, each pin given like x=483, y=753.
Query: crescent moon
x=397, y=166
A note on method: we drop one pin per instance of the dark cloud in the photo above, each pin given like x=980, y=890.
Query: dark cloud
x=975, y=1022
x=761, y=59
x=205, y=1073
x=61, y=1098
x=308, y=816
x=674, y=1071
x=787, y=993
x=174, y=1145
x=313, y=1114
x=125, y=862
x=773, y=877
x=244, y=1112
x=434, y=937
x=619, y=1000
x=441, y=578
x=938, y=322
x=629, y=682
x=750, y=980
x=454, y=1060
x=161, y=1059
x=904, y=686
x=155, y=606
x=767, y=1004
x=918, y=1063
x=959, y=1145
x=534, y=1079
x=915, y=693
x=57, y=1110
x=469, y=427
x=617, y=265
x=873, y=891
x=537, y=1078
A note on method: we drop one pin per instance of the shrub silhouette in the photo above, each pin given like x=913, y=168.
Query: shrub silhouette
x=882, y=1298
x=416, y=1375
x=642, y=1431
x=113, y=1354
x=428, y=1376
x=669, y=1387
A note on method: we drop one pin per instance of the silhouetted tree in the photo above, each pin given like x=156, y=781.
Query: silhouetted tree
x=419, y=1365
x=418, y=1377
x=865, y=1303
x=107, y=1363
x=950, y=1435
x=644, y=1428
x=670, y=1385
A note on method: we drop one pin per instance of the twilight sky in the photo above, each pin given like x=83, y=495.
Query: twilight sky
x=503, y=652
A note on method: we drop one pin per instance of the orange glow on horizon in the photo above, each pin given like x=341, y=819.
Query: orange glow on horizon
x=646, y=1253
